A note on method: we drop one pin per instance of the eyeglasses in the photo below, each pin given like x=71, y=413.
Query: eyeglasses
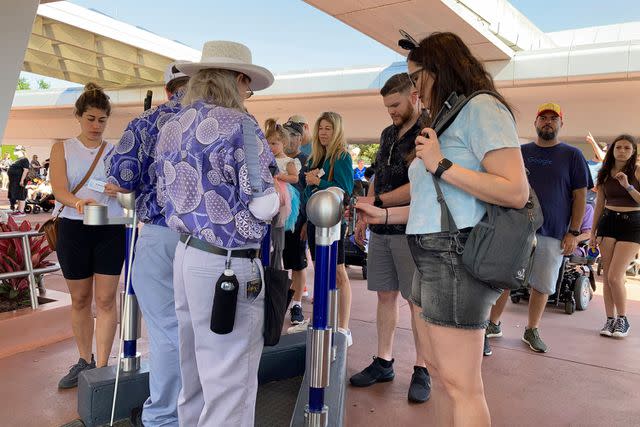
x=248, y=94
x=414, y=76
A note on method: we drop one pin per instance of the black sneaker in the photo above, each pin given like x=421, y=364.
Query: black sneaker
x=487, y=348
x=296, y=314
x=71, y=379
x=374, y=373
x=420, y=388
x=621, y=327
x=608, y=328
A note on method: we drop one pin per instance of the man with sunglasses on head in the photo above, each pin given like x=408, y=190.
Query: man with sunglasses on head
x=133, y=168
x=391, y=265
x=305, y=143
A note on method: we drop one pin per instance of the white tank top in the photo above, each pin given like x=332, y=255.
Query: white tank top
x=78, y=159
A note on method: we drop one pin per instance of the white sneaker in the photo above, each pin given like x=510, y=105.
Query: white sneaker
x=347, y=333
x=300, y=327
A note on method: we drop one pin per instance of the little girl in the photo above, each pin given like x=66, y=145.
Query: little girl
x=288, y=170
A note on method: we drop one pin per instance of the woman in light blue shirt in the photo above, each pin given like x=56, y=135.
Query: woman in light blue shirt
x=478, y=161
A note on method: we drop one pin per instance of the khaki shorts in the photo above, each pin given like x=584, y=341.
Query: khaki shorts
x=390, y=266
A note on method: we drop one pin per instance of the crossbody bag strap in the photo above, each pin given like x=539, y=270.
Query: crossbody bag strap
x=87, y=175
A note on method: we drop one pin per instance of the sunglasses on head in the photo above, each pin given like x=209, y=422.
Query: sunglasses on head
x=407, y=42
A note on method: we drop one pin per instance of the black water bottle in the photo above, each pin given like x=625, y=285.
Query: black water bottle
x=225, y=298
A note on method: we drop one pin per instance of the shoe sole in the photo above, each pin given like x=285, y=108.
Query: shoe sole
x=487, y=353
x=379, y=380
x=534, y=349
x=606, y=333
x=498, y=335
x=66, y=387
x=418, y=400
x=620, y=334
x=297, y=322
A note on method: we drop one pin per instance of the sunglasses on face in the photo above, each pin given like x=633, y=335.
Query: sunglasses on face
x=415, y=76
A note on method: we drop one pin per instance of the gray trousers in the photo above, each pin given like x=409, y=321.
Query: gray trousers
x=153, y=284
x=219, y=372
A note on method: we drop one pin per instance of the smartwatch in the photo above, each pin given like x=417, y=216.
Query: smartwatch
x=443, y=165
x=377, y=201
x=574, y=232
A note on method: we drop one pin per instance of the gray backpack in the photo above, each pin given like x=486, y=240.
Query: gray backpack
x=501, y=247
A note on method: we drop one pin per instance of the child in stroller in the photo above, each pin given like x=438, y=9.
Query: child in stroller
x=40, y=197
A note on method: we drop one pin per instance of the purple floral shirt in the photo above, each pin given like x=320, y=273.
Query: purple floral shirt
x=133, y=166
x=212, y=161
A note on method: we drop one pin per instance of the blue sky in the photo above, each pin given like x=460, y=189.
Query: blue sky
x=290, y=35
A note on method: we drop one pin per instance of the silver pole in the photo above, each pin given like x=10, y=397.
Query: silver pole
x=28, y=265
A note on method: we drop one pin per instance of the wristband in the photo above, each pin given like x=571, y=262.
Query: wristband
x=386, y=217
x=630, y=187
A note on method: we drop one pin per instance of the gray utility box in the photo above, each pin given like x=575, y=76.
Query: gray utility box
x=95, y=394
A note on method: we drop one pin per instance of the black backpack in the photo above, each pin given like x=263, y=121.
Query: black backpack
x=501, y=247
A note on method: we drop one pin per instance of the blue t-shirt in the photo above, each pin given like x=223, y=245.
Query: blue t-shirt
x=483, y=125
x=358, y=174
x=554, y=172
x=306, y=149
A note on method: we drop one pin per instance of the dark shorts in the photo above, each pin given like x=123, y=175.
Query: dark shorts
x=85, y=250
x=447, y=294
x=294, y=255
x=622, y=226
x=311, y=235
x=16, y=191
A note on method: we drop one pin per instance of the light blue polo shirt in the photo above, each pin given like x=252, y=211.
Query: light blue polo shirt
x=483, y=125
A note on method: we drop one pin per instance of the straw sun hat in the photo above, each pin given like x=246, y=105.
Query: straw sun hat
x=232, y=56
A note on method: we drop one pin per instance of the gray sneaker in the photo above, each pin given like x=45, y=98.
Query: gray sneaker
x=493, y=330
x=532, y=337
x=71, y=379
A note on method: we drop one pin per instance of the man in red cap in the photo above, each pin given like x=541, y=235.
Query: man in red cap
x=559, y=175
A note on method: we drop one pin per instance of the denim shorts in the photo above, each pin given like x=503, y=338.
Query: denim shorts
x=443, y=288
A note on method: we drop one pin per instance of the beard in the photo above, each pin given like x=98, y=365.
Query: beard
x=546, y=133
x=405, y=116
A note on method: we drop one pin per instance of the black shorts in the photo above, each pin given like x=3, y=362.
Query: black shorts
x=85, y=250
x=294, y=255
x=16, y=191
x=311, y=235
x=622, y=226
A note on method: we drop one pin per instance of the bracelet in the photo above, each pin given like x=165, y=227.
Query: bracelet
x=630, y=187
x=386, y=217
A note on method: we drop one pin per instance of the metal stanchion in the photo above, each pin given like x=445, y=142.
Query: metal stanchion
x=324, y=210
x=128, y=356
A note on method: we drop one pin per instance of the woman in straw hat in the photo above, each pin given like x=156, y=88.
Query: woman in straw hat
x=216, y=187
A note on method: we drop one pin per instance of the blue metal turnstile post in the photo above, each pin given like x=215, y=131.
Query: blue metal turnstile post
x=324, y=210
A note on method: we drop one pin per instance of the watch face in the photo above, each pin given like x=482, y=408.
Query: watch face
x=445, y=163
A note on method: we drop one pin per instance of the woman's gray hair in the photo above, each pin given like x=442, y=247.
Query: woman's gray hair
x=214, y=86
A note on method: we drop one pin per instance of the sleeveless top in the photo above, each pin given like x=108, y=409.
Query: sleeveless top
x=616, y=195
x=78, y=159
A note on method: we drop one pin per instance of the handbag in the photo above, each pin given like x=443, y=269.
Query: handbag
x=50, y=226
x=499, y=250
x=276, y=300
